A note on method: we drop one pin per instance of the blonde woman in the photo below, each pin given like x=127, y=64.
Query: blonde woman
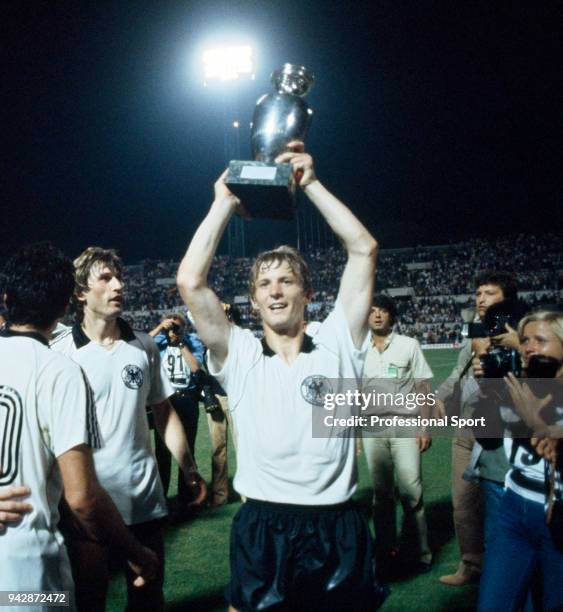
x=523, y=546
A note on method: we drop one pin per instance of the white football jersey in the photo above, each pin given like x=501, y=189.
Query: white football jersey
x=46, y=409
x=125, y=379
x=274, y=407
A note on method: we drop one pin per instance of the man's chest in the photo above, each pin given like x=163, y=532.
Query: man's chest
x=121, y=375
x=390, y=363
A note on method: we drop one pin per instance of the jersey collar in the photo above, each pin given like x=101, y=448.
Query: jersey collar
x=308, y=346
x=6, y=332
x=81, y=339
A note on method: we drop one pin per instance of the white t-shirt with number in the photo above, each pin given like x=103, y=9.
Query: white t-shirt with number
x=176, y=367
x=46, y=409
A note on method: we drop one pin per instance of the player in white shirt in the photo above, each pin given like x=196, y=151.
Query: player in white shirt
x=124, y=369
x=47, y=428
x=297, y=543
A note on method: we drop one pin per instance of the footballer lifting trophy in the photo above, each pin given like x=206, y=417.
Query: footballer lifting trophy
x=267, y=189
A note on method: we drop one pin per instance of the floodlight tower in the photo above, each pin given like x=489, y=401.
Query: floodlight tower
x=226, y=65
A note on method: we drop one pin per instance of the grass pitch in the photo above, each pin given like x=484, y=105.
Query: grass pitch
x=197, y=553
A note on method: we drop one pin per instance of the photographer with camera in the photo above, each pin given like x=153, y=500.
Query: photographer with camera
x=454, y=397
x=496, y=354
x=182, y=355
x=528, y=545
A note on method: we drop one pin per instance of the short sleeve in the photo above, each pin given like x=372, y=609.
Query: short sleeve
x=419, y=366
x=334, y=334
x=70, y=418
x=196, y=346
x=244, y=350
x=161, y=341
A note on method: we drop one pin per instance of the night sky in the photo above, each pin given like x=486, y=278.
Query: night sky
x=434, y=121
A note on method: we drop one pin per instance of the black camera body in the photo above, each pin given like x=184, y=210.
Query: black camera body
x=499, y=360
x=210, y=402
x=542, y=379
x=482, y=329
x=496, y=318
x=175, y=329
x=542, y=366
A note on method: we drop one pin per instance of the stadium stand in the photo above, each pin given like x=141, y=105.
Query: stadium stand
x=432, y=284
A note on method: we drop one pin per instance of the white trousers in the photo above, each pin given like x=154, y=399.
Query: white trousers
x=396, y=461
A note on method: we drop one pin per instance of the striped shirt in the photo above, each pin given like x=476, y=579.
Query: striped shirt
x=46, y=409
x=527, y=473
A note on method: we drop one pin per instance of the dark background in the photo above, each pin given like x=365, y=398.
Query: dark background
x=434, y=121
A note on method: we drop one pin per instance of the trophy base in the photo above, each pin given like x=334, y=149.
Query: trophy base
x=265, y=190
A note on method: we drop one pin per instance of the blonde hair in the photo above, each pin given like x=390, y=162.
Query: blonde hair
x=283, y=254
x=553, y=319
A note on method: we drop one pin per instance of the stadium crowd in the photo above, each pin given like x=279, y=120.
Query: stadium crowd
x=74, y=432
x=430, y=301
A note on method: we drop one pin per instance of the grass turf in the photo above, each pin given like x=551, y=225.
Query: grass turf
x=197, y=553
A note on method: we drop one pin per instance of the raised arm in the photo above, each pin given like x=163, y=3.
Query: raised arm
x=209, y=317
x=356, y=285
x=164, y=325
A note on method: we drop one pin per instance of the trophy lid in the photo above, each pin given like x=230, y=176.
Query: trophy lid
x=293, y=79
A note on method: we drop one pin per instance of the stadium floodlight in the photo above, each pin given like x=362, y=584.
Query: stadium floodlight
x=228, y=63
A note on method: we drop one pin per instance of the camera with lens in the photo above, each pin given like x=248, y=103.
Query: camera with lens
x=495, y=320
x=541, y=377
x=174, y=329
x=177, y=331
x=498, y=361
x=202, y=381
x=210, y=402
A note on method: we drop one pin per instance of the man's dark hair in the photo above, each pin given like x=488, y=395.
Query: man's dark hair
x=387, y=303
x=504, y=280
x=38, y=285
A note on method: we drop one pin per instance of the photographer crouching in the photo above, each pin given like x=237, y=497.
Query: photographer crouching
x=182, y=355
x=526, y=551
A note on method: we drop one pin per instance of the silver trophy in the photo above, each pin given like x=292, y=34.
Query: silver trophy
x=267, y=189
